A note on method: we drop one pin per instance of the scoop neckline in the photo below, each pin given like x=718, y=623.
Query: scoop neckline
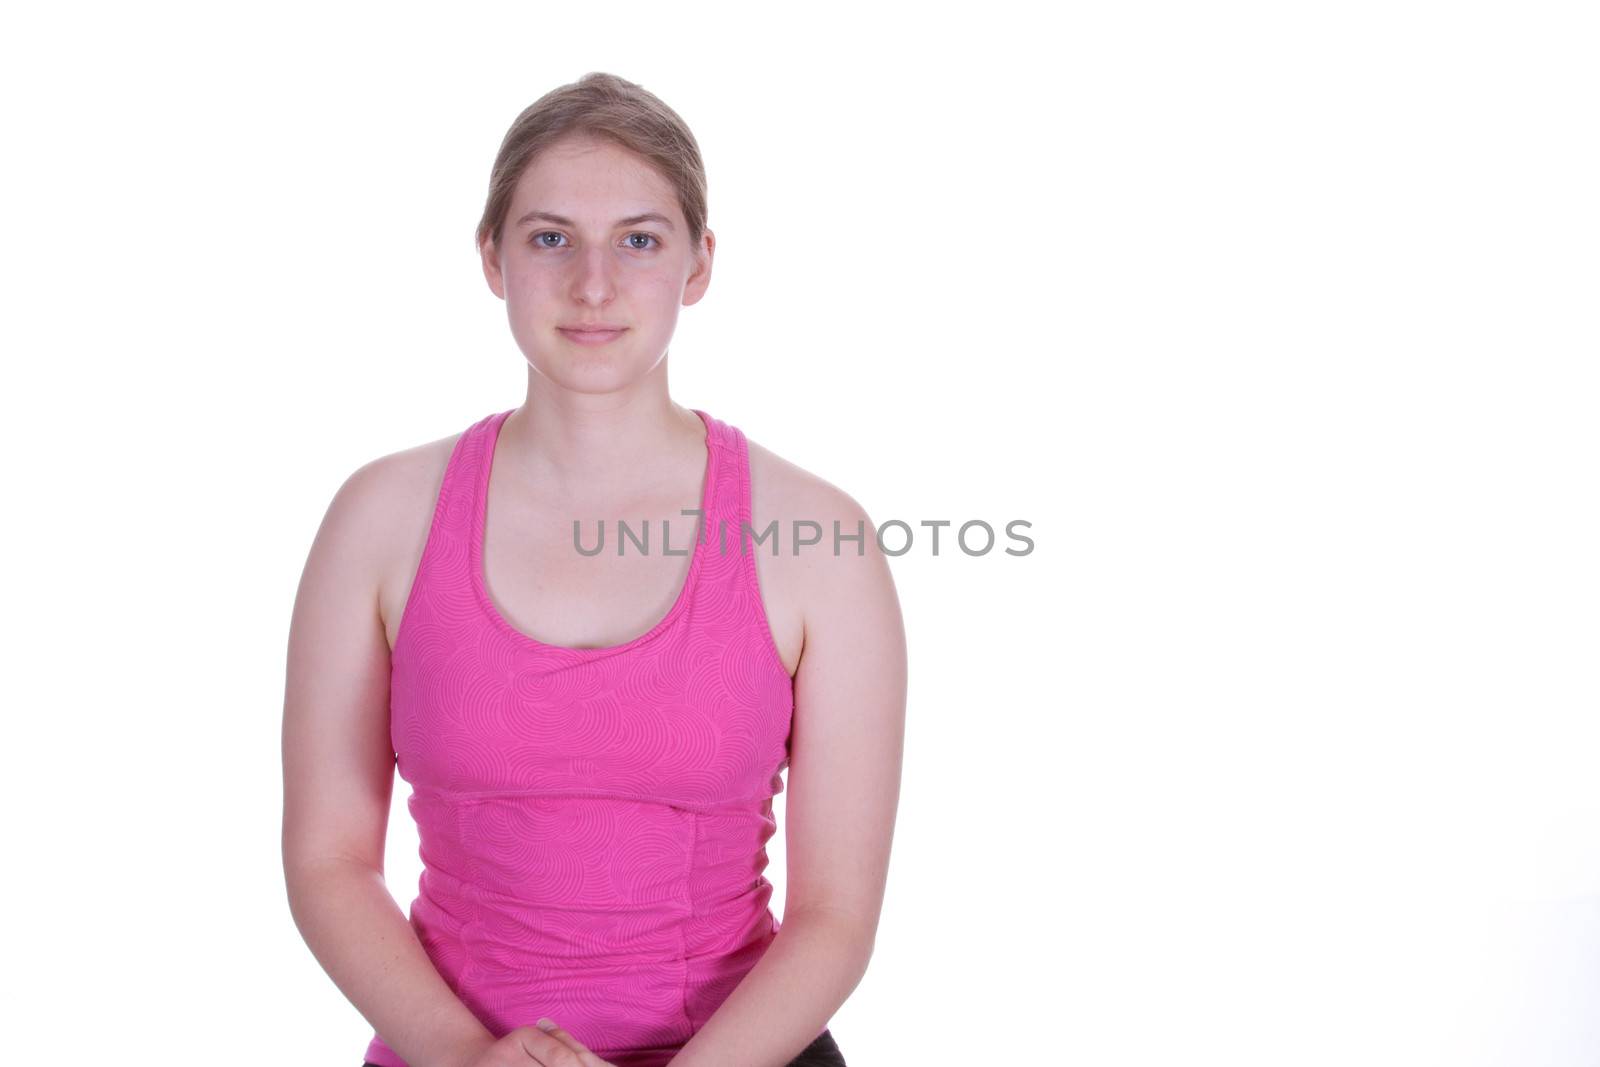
x=480, y=525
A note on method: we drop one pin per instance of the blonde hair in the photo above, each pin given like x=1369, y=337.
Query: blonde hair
x=602, y=106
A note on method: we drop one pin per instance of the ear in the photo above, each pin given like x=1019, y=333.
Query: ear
x=489, y=253
x=697, y=282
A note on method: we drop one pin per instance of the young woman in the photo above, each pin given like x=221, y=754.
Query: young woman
x=593, y=739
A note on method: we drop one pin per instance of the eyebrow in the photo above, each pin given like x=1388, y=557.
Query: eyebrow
x=562, y=220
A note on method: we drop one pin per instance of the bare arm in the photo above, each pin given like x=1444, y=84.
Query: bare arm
x=844, y=788
x=338, y=773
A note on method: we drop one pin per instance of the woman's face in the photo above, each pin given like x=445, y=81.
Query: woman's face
x=578, y=250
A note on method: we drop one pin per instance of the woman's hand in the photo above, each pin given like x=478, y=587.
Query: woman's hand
x=547, y=1046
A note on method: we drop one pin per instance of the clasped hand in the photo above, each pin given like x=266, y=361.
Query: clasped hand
x=547, y=1045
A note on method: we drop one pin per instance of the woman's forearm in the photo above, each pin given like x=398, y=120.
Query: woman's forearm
x=813, y=964
x=364, y=942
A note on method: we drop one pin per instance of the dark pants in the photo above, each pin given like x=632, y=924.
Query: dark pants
x=823, y=1052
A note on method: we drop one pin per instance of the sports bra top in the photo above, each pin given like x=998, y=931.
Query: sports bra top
x=592, y=821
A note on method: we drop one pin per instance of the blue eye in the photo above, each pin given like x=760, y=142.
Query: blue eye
x=538, y=239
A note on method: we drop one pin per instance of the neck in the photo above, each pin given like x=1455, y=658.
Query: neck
x=599, y=445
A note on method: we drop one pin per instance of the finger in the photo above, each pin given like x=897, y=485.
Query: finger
x=565, y=1037
x=541, y=1046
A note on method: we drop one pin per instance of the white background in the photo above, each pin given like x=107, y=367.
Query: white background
x=1277, y=322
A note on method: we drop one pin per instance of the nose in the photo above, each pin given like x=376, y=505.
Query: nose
x=594, y=275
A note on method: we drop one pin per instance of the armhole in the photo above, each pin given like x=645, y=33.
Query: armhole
x=430, y=542
x=746, y=516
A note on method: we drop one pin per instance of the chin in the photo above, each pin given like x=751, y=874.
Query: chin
x=588, y=372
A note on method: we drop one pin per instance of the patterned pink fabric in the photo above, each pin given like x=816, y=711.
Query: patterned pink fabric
x=593, y=821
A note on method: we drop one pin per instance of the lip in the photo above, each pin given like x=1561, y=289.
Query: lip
x=592, y=337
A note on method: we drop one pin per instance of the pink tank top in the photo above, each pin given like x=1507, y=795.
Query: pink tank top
x=592, y=821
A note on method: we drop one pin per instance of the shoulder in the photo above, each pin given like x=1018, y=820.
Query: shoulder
x=826, y=563
x=375, y=514
x=787, y=492
x=827, y=546
x=383, y=492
